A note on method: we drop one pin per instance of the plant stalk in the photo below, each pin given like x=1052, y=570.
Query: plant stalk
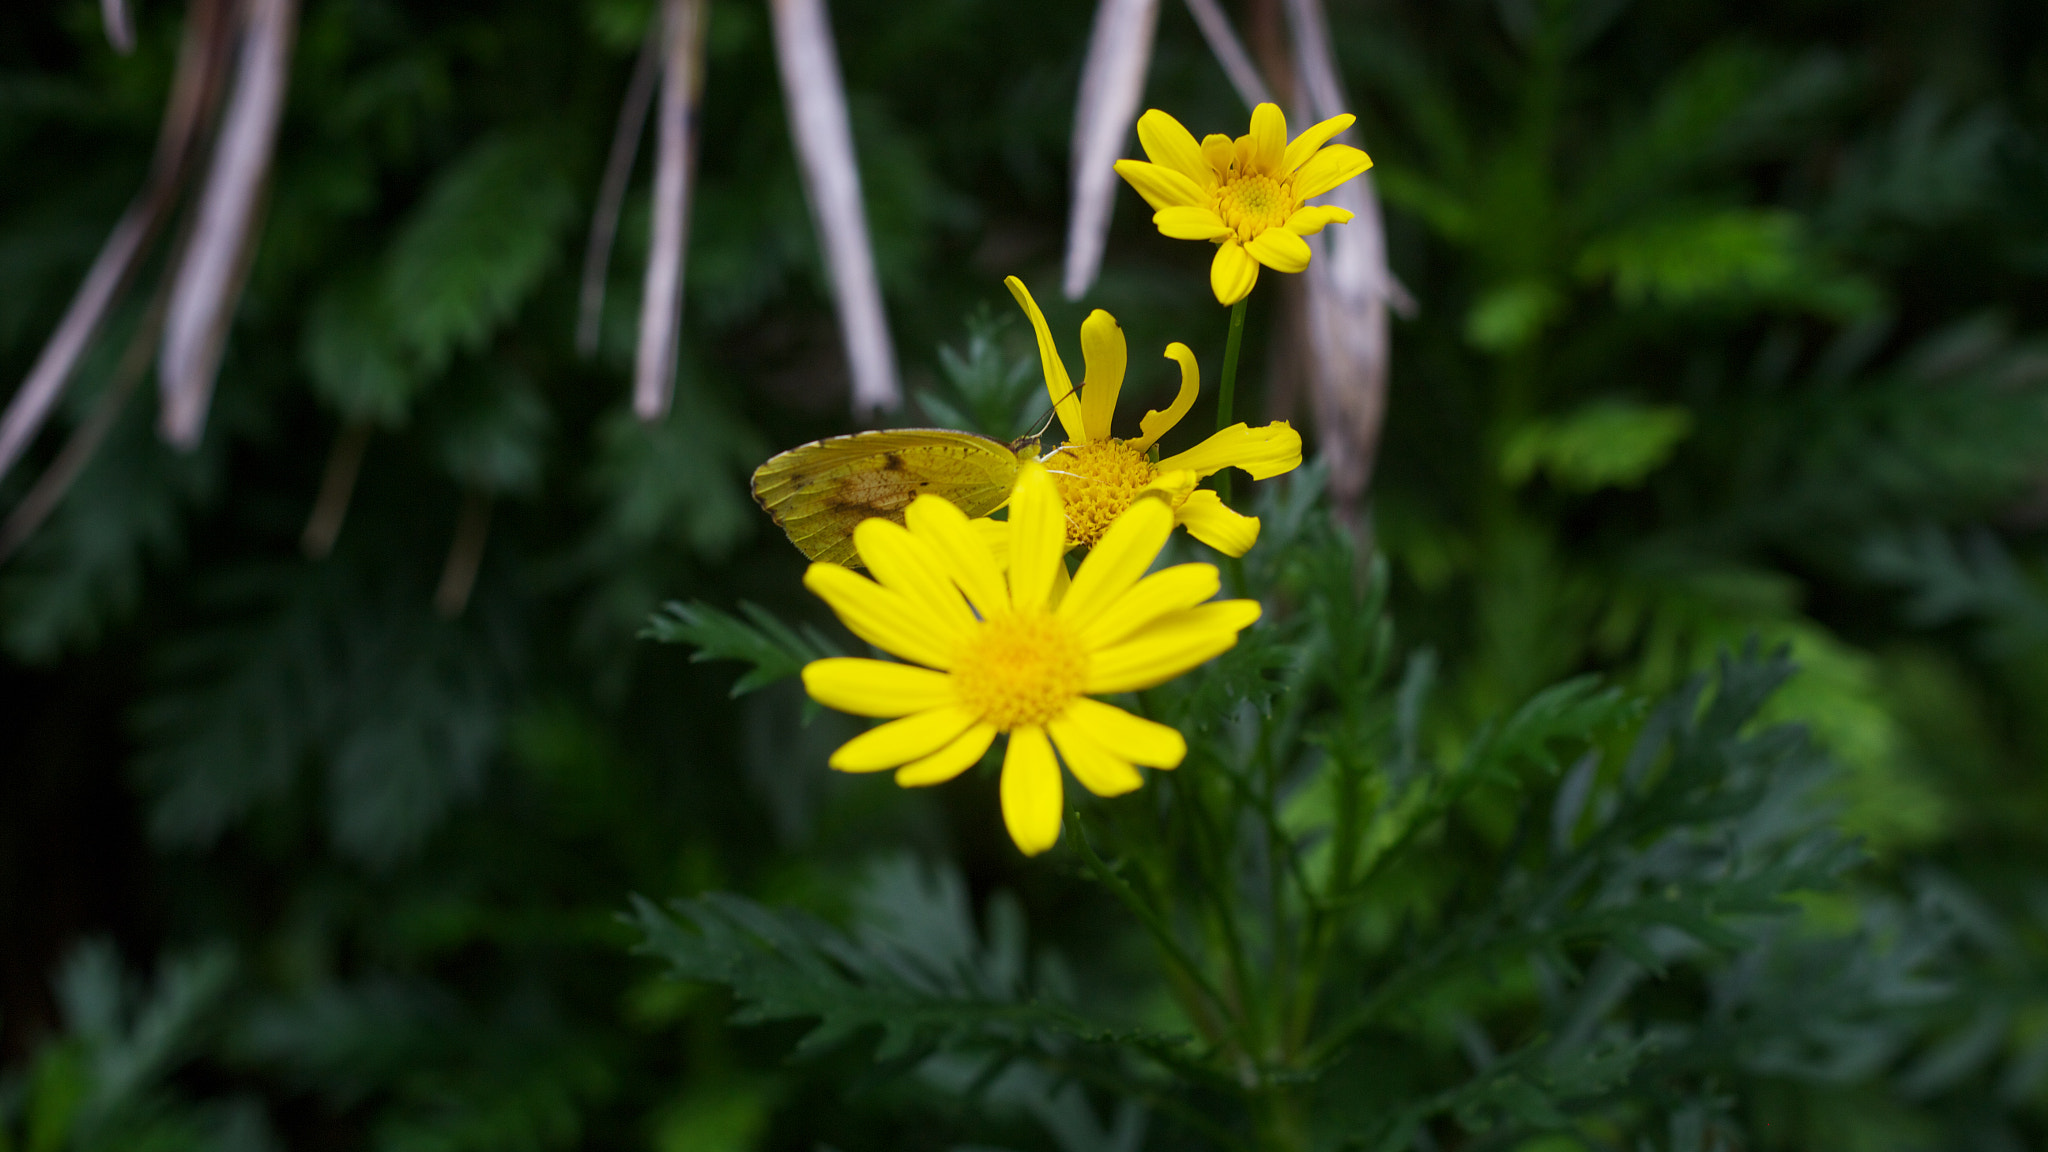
x=1226, y=391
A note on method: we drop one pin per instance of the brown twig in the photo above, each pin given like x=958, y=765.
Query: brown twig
x=120, y=25
x=1349, y=290
x=209, y=277
x=195, y=91
x=611, y=194
x=465, y=554
x=56, y=480
x=1112, y=87
x=823, y=134
x=337, y=488
x=675, y=135
x=1229, y=52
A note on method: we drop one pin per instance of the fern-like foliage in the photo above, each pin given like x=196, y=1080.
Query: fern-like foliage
x=913, y=967
x=776, y=650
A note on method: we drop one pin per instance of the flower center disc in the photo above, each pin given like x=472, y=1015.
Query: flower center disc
x=1020, y=670
x=1097, y=482
x=1252, y=204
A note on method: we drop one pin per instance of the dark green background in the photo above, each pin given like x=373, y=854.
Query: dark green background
x=1817, y=228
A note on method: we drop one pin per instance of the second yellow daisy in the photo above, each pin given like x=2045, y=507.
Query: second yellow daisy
x=1247, y=195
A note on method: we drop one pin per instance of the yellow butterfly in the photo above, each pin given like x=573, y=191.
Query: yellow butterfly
x=818, y=492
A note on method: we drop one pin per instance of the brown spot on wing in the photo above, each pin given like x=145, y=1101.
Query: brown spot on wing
x=881, y=493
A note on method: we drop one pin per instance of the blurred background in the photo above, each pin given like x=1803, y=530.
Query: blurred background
x=330, y=754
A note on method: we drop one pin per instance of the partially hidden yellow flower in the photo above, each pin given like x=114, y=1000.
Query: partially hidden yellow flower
x=1018, y=652
x=1099, y=476
x=1248, y=195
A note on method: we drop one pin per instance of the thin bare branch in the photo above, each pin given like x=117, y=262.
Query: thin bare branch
x=195, y=91
x=56, y=480
x=1229, y=52
x=208, y=280
x=465, y=554
x=31, y=406
x=337, y=489
x=675, y=136
x=1349, y=345
x=823, y=134
x=1349, y=289
x=119, y=24
x=1315, y=60
x=611, y=194
x=1112, y=85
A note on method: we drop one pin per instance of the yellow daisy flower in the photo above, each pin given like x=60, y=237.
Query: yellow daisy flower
x=1100, y=476
x=1247, y=195
x=1018, y=652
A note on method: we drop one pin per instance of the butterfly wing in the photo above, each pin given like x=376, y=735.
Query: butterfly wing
x=818, y=492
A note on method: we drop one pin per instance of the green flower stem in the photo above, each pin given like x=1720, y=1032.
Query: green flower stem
x=1162, y=932
x=1226, y=391
x=1216, y=885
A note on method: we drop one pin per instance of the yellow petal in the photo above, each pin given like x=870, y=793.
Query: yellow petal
x=876, y=687
x=1327, y=169
x=1038, y=537
x=1098, y=770
x=1057, y=384
x=950, y=761
x=1169, y=145
x=1171, y=646
x=1156, y=423
x=1269, y=138
x=881, y=617
x=1280, y=250
x=1163, y=593
x=1133, y=738
x=1183, y=222
x=1031, y=791
x=1103, y=351
x=1232, y=273
x=913, y=569
x=1218, y=152
x=1241, y=152
x=1208, y=519
x=1310, y=218
x=1263, y=452
x=960, y=549
x=1161, y=187
x=1174, y=486
x=900, y=741
x=995, y=536
x=1117, y=561
x=1304, y=146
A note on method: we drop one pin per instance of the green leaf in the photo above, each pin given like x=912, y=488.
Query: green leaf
x=324, y=669
x=682, y=479
x=85, y=569
x=351, y=353
x=1573, y=713
x=776, y=650
x=493, y=431
x=916, y=969
x=1610, y=444
x=1510, y=316
x=487, y=230
x=1739, y=255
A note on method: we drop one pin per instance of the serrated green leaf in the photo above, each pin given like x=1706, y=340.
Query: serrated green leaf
x=488, y=229
x=920, y=976
x=776, y=650
x=1613, y=444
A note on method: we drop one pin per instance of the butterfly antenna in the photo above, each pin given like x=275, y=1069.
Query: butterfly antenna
x=1045, y=423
